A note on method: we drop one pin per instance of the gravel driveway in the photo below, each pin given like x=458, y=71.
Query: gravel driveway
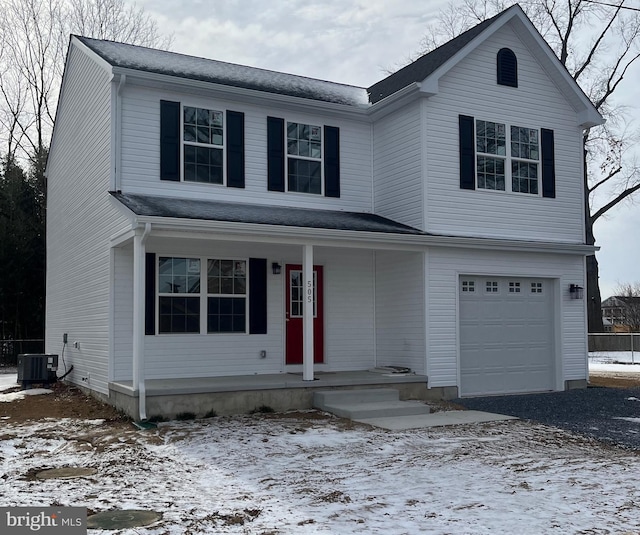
x=608, y=414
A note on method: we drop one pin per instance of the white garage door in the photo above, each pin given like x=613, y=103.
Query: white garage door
x=506, y=335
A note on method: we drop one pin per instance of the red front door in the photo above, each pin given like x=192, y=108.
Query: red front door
x=293, y=317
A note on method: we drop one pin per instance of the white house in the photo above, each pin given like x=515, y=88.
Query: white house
x=221, y=236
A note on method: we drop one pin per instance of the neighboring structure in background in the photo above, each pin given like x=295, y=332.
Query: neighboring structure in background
x=622, y=313
x=220, y=235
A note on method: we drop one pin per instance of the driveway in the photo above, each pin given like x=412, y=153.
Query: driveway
x=608, y=414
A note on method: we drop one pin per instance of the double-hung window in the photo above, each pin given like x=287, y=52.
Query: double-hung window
x=203, y=145
x=304, y=158
x=226, y=296
x=187, y=306
x=507, y=157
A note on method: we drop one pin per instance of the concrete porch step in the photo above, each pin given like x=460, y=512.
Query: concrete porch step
x=321, y=398
x=378, y=409
x=367, y=403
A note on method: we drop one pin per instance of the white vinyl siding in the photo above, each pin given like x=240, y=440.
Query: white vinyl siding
x=444, y=268
x=470, y=88
x=348, y=321
x=141, y=154
x=400, y=309
x=397, y=150
x=80, y=221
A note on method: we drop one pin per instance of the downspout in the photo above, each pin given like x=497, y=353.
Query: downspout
x=118, y=137
x=139, y=317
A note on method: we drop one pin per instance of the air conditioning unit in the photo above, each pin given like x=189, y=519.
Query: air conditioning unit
x=37, y=368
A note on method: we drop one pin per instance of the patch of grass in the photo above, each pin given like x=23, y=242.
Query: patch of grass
x=157, y=418
x=211, y=414
x=262, y=409
x=185, y=416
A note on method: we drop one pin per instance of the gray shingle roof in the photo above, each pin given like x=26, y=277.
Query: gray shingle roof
x=208, y=70
x=170, y=207
x=219, y=72
x=425, y=65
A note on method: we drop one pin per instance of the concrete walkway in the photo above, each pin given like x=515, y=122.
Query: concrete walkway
x=436, y=419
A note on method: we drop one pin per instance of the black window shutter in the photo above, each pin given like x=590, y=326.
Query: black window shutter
x=169, y=140
x=467, y=153
x=150, y=294
x=548, y=164
x=235, y=149
x=507, y=68
x=331, y=161
x=257, y=296
x=275, y=154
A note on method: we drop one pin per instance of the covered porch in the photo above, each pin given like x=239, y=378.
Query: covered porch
x=354, y=282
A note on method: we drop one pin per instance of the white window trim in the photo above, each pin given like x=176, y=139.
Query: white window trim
x=507, y=158
x=203, y=295
x=308, y=158
x=196, y=144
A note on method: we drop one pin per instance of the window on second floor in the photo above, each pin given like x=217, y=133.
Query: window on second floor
x=304, y=158
x=511, y=158
x=203, y=145
x=515, y=169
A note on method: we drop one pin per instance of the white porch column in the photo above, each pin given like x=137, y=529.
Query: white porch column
x=138, y=316
x=307, y=319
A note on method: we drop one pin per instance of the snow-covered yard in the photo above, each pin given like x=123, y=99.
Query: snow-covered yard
x=310, y=473
x=614, y=361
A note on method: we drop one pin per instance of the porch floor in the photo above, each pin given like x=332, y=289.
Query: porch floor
x=202, y=385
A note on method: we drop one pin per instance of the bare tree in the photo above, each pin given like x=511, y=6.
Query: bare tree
x=34, y=35
x=598, y=43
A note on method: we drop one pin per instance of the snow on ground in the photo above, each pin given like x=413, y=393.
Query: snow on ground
x=301, y=475
x=8, y=380
x=13, y=396
x=614, y=361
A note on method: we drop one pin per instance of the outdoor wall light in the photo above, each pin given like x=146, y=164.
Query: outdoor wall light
x=575, y=291
x=276, y=268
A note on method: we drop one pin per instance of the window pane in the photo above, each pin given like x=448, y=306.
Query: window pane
x=189, y=133
x=226, y=314
x=179, y=314
x=189, y=115
x=292, y=130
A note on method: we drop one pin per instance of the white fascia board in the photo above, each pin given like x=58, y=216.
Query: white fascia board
x=251, y=232
x=251, y=96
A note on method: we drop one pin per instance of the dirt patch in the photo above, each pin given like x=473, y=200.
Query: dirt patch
x=66, y=401
x=615, y=379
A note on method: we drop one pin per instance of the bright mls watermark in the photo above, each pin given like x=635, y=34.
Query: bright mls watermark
x=44, y=520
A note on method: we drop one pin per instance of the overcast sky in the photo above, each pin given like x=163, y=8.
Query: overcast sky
x=353, y=42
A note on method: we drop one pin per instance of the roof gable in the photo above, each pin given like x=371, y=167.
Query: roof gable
x=427, y=70
x=421, y=68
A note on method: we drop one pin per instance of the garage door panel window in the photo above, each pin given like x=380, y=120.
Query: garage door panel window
x=468, y=286
x=514, y=287
x=536, y=287
x=491, y=287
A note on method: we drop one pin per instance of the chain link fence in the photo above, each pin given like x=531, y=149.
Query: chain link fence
x=10, y=349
